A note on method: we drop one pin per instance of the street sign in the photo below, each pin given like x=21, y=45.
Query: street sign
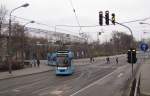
x=144, y=47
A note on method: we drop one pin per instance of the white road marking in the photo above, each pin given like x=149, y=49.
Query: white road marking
x=56, y=92
x=96, y=82
x=14, y=90
x=121, y=74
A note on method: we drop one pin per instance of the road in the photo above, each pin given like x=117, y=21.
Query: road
x=88, y=80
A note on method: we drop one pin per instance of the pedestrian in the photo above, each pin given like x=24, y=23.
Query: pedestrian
x=107, y=60
x=34, y=62
x=38, y=62
x=91, y=59
x=116, y=60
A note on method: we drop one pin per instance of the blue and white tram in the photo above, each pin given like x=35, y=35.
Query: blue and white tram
x=51, y=57
x=64, y=64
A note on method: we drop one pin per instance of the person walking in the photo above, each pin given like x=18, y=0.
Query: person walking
x=38, y=62
x=116, y=60
x=34, y=62
x=91, y=59
x=107, y=60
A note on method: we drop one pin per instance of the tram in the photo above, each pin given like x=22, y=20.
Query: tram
x=52, y=57
x=64, y=64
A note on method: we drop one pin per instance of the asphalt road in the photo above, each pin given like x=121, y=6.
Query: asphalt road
x=88, y=80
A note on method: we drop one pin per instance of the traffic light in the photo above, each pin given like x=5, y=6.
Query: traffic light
x=113, y=18
x=107, y=17
x=99, y=33
x=134, y=59
x=100, y=18
x=131, y=56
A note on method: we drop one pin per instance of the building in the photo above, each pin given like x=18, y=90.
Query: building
x=55, y=36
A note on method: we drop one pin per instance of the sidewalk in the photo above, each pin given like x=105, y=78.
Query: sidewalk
x=145, y=78
x=26, y=71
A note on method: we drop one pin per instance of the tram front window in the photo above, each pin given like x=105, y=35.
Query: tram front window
x=63, y=62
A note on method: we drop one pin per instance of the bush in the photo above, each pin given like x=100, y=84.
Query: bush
x=15, y=65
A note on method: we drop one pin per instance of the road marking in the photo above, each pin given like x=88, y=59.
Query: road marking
x=88, y=86
x=15, y=90
x=121, y=74
x=56, y=92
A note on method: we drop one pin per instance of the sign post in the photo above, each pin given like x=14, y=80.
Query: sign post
x=144, y=48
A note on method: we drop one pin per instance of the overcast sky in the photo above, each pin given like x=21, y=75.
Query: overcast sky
x=60, y=12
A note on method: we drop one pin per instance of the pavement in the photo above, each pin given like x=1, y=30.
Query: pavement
x=25, y=71
x=145, y=78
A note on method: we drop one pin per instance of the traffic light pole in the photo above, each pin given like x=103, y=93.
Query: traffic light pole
x=131, y=44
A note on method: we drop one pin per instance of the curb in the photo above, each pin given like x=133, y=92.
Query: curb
x=25, y=75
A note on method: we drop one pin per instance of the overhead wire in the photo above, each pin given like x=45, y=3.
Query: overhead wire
x=132, y=21
x=43, y=24
x=71, y=3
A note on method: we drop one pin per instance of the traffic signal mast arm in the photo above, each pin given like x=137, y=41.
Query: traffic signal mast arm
x=129, y=30
x=123, y=26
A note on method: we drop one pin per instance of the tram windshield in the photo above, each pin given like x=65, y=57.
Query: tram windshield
x=63, y=61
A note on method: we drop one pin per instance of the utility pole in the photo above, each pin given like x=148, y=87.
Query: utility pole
x=9, y=38
x=23, y=39
x=106, y=17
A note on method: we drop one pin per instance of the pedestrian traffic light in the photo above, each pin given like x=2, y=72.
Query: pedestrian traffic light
x=131, y=56
x=100, y=18
x=107, y=17
x=113, y=18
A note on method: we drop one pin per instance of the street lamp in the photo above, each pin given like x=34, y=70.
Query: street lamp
x=23, y=40
x=9, y=37
x=28, y=23
x=144, y=23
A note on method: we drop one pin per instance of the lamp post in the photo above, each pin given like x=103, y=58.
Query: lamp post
x=144, y=32
x=9, y=37
x=22, y=34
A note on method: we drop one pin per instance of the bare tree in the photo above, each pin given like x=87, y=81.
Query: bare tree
x=121, y=41
x=16, y=42
x=3, y=12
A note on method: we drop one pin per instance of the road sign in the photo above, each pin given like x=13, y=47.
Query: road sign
x=144, y=47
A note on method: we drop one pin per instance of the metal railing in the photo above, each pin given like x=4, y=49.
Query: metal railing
x=137, y=87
